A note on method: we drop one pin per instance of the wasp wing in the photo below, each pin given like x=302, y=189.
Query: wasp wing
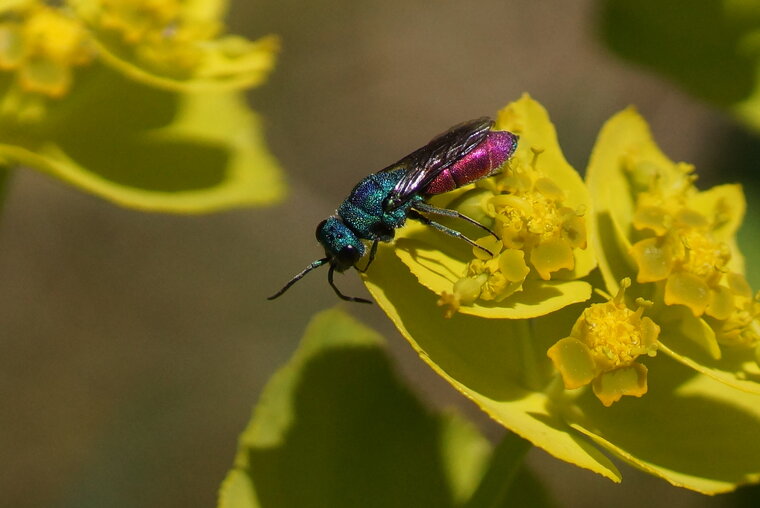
x=425, y=163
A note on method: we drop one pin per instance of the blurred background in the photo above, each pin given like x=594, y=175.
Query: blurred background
x=135, y=345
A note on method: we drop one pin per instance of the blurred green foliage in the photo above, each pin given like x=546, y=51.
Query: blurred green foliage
x=711, y=48
x=138, y=103
x=335, y=427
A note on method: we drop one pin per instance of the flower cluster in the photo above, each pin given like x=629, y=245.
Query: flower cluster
x=676, y=346
x=538, y=233
x=41, y=46
x=170, y=43
x=603, y=347
x=531, y=217
x=683, y=249
x=157, y=32
x=104, y=95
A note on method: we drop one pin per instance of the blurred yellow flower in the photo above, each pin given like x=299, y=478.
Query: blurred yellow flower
x=137, y=101
x=41, y=45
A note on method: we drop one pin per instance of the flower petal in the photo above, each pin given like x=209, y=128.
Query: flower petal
x=574, y=362
x=479, y=357
x=530, y=120
x=624, y=134
x=438, y=262
x=611, y=386
x=689, y=429
x=183, y=153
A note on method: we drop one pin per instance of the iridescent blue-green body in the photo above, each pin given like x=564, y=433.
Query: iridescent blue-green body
x=363, y=216
x=382, y=202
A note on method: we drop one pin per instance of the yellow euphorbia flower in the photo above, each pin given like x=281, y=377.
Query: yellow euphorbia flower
x=679, y=244
x=707, y=382
x=603, y=347
x=488, y=278
x=537, y=206
x=104, y=95
x=175, y=44
x=160, y=33
x=681, y=250
x=42, y=45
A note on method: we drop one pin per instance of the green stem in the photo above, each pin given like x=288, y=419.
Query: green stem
x=5, y=177
x=531, y=373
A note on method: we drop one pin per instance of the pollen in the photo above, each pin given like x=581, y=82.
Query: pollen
x=680, y=249
x=537, y=232
x=615, y=334
x=530, y=215
x=603, y=348
x=487, y=278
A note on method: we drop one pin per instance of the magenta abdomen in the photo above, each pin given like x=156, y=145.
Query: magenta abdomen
x=484, y=160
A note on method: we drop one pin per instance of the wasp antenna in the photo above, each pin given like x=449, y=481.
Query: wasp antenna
x=337, y=291
x=312, y=266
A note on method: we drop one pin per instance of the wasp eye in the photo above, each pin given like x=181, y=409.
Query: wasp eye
x=320, y=226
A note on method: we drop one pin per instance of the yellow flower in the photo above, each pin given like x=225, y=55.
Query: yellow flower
x=502, y=365
x=161, y=36
x=679, y=243
x=488, y=278
x=42, y=45
x=603, y=347
x=680, y=248
x=537, y=206
x=175, y=44
x=121, y=122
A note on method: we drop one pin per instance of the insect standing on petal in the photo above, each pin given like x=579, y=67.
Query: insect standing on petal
x=383, y=201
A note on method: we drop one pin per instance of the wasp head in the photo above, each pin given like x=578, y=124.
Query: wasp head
x=341, y=245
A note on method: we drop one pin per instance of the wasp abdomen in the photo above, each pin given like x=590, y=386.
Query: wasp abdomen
x=484, y=160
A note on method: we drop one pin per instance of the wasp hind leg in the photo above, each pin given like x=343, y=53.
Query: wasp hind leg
x=451, y=232
x=421, y=206
x=337, y=291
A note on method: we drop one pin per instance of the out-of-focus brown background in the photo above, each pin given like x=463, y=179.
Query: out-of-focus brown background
x=133, y=346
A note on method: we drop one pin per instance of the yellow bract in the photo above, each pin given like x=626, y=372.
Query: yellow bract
x=137, y=101
x=518, y=347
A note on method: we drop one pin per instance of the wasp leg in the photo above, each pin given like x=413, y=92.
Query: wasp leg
x=427, y=208
x=451, y=232
x=372, y=253
x=337, y=291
